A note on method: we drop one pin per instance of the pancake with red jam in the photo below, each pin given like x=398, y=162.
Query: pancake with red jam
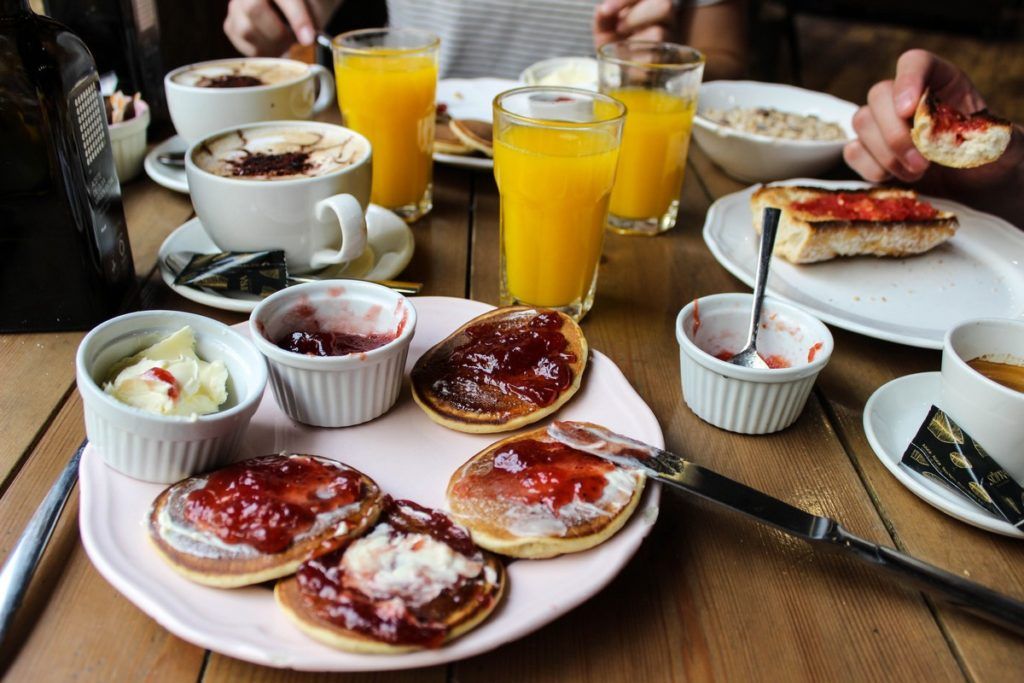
x=259, y=519
x=505, y=369
x=531, y=496
x=416, y=581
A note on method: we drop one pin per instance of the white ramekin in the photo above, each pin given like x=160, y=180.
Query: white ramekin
x=335, y=391
x=748, y=400
x=166, y=448
x=128, y=140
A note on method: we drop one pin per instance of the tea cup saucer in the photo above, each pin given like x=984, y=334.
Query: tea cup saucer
x=892, y=416
x=167, y=176
x=389, y=248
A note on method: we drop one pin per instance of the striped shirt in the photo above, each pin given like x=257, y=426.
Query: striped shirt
x=501, y=37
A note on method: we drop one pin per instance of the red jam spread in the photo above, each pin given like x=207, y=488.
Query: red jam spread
x=949, y=120
x=161, y=375
x=813, y=351
x=323, y=585
x=859, y=206
x=545, y=472
x=696, y=317
x=774, y=362
x=267, y=502
x=528, y=359
x=332, y=343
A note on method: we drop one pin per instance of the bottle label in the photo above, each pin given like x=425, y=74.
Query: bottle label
x=88, y=120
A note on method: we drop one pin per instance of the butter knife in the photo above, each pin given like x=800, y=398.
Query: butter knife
x=679, y=474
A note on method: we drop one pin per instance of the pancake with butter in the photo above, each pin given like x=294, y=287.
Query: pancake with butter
x=259, y=519
x=502, y=370
x=415, y=581
x=531, y=496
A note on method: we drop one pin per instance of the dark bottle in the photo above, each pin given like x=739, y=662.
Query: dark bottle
x=65, y=262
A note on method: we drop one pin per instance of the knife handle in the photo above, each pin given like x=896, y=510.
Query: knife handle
x=955, y=590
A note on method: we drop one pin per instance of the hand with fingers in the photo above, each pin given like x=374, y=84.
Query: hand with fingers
x=270, y=27
x=635, y=20
x=884, y=150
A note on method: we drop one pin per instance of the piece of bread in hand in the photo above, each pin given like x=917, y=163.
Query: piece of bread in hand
x=819, y=224
x=259, y=519
x=945, y=136
x=502, y=370
x=531, y=496
x=415, y=581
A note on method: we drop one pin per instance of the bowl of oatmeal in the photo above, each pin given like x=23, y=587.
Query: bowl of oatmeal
x=760, y=132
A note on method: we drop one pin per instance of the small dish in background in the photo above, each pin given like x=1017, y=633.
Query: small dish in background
x=759, y=158
x=574, y=72
x=128, y=139
x=749, y=400
x=335, y=390
x=166, y=448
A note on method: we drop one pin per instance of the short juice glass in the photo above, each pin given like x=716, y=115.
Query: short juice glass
x=387, y=79
x=555, y=152
x=659, y=84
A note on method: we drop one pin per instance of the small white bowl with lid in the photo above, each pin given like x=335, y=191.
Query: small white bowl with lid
x=749, y=400
x=335, y=391
x=166, y=448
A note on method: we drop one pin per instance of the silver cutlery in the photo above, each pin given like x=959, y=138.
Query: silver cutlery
x=748, y=356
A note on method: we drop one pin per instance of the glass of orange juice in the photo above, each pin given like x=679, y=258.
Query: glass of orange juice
x=555, y=151
x=658, y=83
x=387, y=79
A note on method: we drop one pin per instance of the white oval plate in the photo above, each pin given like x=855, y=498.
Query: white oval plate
x=892, y=416
x=389, y=248
x=162, y=174
x=471, y=98
x=979, y=273
x=410, y=457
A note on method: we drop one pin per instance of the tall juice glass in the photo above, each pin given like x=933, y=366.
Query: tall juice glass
x=658, y=83
x=387, y=80
x=555, y=152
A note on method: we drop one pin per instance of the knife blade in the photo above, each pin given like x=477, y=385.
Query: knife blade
x=682, y=475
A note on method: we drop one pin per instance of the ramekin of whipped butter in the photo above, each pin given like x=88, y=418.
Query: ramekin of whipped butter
x=167, y=394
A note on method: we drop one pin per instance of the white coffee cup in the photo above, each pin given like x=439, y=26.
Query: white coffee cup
x=318, y=220
x=991, y=413
x=198, y=111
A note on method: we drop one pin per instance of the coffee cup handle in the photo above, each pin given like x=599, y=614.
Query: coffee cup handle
x=325, y=98
x=352, y=223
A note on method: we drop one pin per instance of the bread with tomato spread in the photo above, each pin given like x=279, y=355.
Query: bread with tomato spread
x=415, y=581
x=259, y=519
x=818, y=224
x=530, y=496
x=502, y=370
x=950, y=138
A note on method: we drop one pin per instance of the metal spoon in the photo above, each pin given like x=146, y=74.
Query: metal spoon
x=172, y=159
x=748, y=356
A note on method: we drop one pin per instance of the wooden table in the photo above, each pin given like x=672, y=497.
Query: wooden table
x=708, y=596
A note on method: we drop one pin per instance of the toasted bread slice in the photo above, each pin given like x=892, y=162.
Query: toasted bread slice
x=392, y=591
x=199, y=551
x=530, y=496
x=475, y=134
x=459, y=392
x=947, y=137
x=819, y=224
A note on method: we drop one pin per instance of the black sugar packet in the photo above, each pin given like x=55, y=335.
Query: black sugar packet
x=233, y=272
x=943, y=452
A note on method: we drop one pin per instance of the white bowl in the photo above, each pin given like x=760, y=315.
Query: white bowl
x=761, y=158
x=335, y=391
x=748, y=400
x=576, y=72
x=166, y=448
x=128, y=140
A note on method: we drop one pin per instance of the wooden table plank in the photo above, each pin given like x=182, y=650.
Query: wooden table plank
x=687, y=606
x=73, y=625
x=46, y=362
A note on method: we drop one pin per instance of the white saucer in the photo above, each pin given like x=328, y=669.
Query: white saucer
x=389, y=247
x=892, y=416
x=162, y=174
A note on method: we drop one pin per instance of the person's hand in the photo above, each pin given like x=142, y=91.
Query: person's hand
x=268, y=27
x=883, y=148
x=634, y=19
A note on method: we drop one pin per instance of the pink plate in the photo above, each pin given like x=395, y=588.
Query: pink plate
x=410, y=457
